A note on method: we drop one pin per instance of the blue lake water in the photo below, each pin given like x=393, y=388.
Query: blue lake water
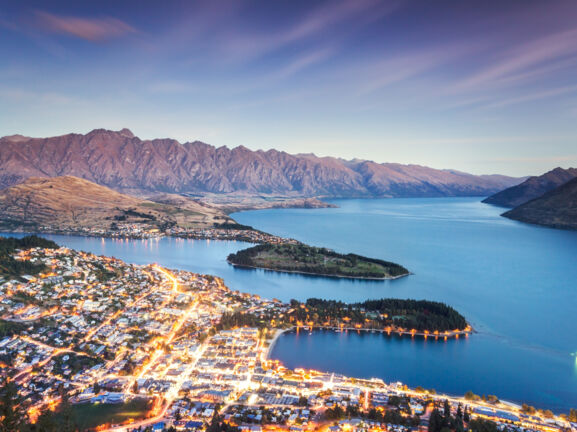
x=516, y=283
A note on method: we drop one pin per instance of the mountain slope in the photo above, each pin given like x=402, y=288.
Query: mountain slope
x=73, y=203
x=123, y=162
x=557, y=208
x=532, y=188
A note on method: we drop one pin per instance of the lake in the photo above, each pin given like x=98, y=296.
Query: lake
x=516, y=284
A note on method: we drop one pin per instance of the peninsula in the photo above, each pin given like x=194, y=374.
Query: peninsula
x=74, y=206
x=300, y=258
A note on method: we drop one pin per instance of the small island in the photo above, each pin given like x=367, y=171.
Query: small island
x=304, y=259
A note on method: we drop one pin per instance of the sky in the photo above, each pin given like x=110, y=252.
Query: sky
x=479, y=86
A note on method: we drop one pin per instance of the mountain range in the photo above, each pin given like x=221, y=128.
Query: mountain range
x=123, y=162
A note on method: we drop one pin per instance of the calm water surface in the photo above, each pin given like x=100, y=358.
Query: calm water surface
x=516, y=283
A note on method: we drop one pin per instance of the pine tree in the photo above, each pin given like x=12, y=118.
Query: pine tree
x=46, y=422
x=12, y=416
x=466, y=415
x=446, y=410
x=435, y=421
x=67, y=423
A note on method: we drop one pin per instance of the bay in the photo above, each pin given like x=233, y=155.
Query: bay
x=516, y=284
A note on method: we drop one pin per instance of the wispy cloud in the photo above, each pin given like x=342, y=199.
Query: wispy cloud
x=92, y=29
x=401, y=67
x=314, y=24
x=518, y=61
x=560, y=91
x=302, y=62
x=17, y=95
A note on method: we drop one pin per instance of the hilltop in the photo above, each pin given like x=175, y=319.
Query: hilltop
x=532, y=188
x=556, y=209
x=69, y=202
x=125, y=163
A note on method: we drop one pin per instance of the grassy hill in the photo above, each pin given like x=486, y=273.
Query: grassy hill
x=71, y=202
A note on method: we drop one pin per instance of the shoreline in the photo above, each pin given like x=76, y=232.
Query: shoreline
x=392, y=332
x=248, y=267
x=426, y=334
x=127, y=236
x=273, y=341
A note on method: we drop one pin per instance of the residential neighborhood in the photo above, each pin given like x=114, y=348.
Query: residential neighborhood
x=95, y=331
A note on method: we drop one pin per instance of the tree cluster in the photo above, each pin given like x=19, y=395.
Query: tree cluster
x=443, y=420
x=309, y=259
x=409, y=314
x=240, y=319
x=12, y=267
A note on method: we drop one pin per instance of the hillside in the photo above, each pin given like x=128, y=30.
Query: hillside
x=532, y=188
x=70, y=202
x=556, y=209
x=123, y=162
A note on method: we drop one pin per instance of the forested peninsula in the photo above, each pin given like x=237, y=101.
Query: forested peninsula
x=403, y=316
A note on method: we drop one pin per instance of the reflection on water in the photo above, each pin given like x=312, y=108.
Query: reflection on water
x=514, y=282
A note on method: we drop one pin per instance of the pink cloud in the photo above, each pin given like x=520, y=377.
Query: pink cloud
x=400, y=67
x=517, y=63
x=92, y=29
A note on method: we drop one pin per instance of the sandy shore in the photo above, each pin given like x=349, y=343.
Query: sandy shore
x=277, y=334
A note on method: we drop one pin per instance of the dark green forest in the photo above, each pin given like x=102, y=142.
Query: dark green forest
x=315, y=260
x=420, y=315
x=409, y=314
x=12, y=267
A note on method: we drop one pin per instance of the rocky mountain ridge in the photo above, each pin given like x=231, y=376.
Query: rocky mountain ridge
x=533, y=187
x=124, y=162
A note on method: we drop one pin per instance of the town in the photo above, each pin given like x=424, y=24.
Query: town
x=129, y=348
x=146, y=231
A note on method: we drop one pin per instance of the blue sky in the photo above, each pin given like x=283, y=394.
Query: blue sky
x=479, y=86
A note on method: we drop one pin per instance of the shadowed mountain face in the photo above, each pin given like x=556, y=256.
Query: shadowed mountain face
x=532, y=188
x=121, y=161
x=557, y=208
